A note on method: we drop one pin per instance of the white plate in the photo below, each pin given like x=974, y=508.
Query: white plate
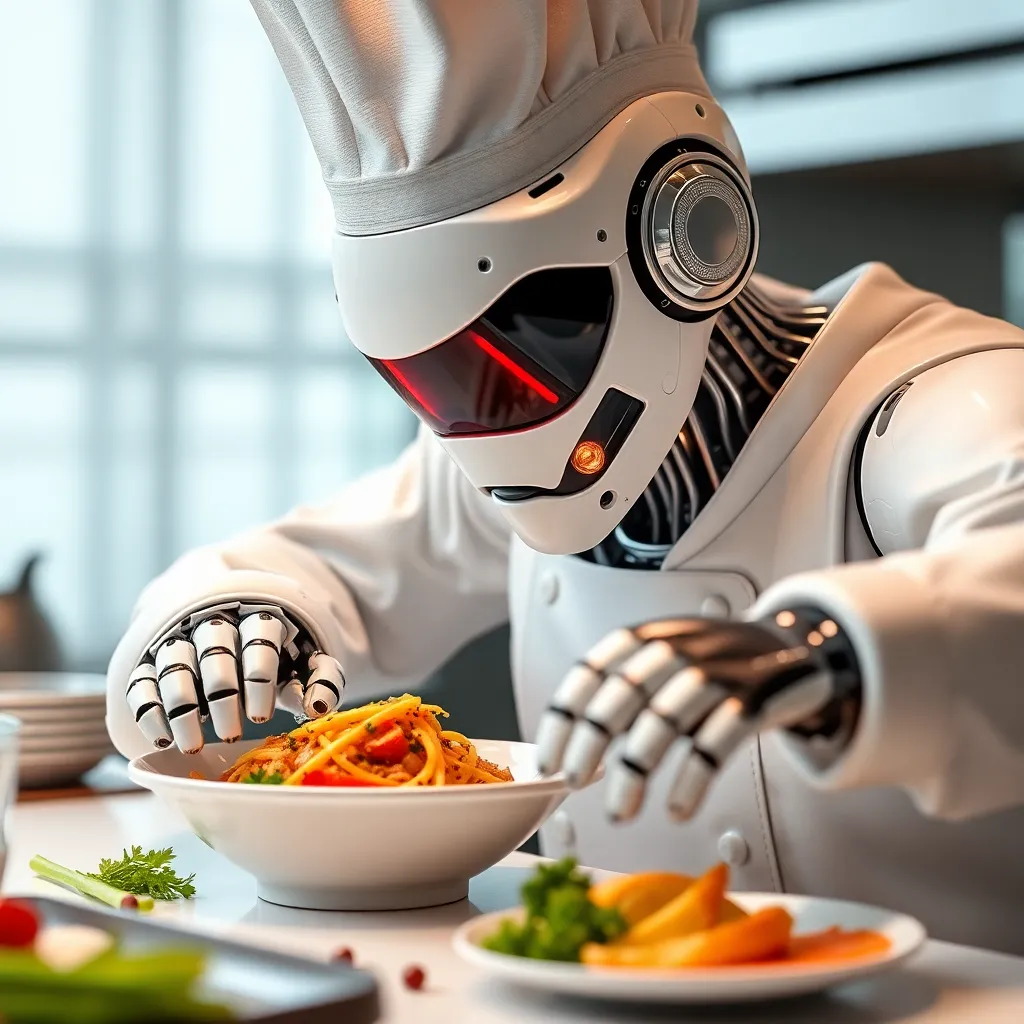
x=44, y=744
x=43, y=690
x=60, y=709
x=39, y=771
x=61, y=719
x=433, y=839
x=62, y=730
x=708, y=985
x=32, y=705
x=64, y=758
x=64, y=753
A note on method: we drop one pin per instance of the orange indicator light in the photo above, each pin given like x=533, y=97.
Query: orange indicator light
x=588, y=458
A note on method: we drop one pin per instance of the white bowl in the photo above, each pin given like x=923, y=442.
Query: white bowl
x=356, y=849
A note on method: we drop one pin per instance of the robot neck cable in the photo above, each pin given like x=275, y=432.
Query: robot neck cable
x=755, y=345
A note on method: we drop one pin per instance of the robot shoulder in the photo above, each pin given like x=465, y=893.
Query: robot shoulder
x=942, y=435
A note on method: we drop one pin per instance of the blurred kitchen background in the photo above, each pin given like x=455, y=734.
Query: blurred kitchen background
x=172, y=368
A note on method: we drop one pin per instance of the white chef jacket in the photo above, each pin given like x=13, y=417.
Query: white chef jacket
x=922, y=812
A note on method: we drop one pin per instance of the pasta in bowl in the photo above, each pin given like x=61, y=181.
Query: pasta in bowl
x=395, y=742
x=392, y=831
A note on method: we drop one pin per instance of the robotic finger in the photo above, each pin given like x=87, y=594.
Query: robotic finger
x=289, y=695
x=675, y=710
x=143, y=696
x=615, y=706
x=725, y=729
x=575, y=693
x=323, y=690
x=262, y=636
x=177, y=670
x=217, y=649
x=687, y=699
x=776, y=703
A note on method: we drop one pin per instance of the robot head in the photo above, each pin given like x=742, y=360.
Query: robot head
x=554, y=340
x=540, y=209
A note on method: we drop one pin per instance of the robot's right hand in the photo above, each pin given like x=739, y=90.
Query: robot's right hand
x=228, y=663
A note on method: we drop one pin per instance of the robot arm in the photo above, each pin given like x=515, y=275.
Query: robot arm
x=388, y=579
x=938, y=621
x=896, y=671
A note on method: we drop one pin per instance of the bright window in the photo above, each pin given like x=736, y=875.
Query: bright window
x=172, y=367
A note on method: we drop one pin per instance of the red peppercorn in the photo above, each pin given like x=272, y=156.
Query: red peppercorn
x=345, y=955
x=18, y=924
x=414, y=977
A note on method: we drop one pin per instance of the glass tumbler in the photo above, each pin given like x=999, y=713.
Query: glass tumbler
x=9, y=729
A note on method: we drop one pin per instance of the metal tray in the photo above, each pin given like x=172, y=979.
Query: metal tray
x=257, y=984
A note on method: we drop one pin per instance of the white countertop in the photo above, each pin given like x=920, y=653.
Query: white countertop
x=945, y=984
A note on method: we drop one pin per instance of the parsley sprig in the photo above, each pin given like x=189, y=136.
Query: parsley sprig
x=146, y=874
x=559, y=918
x=259, y=777
x=131, y=883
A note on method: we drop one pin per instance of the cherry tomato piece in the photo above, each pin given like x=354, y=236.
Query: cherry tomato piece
x=318, y=777
x=18, y=924
x=414, y=977
x=389, y=747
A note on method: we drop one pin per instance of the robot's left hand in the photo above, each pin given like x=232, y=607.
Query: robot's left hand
x=712, y=684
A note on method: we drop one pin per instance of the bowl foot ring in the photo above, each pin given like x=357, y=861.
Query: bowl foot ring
x=393, y=897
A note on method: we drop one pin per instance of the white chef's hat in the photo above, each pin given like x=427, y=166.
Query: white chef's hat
x=420, y=110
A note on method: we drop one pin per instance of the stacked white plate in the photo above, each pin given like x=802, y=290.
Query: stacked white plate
x=63, y=730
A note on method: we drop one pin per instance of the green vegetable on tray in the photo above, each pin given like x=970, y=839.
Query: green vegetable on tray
x=131, y=883
x=114, y=988
x=560, y=917
x=76, y=974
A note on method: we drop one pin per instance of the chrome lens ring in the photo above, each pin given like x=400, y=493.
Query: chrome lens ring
x=698, y=229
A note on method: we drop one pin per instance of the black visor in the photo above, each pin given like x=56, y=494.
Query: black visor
x=527, y=358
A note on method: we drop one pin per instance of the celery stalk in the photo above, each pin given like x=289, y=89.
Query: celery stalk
x=119, y=898
x=116, y=987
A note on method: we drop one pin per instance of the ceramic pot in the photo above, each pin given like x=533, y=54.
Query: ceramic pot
x=28, y=642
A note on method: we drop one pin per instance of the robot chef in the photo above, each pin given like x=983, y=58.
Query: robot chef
x=772, y=536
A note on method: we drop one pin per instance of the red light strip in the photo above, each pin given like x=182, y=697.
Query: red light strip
x=408, y=385
x=517, y=371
